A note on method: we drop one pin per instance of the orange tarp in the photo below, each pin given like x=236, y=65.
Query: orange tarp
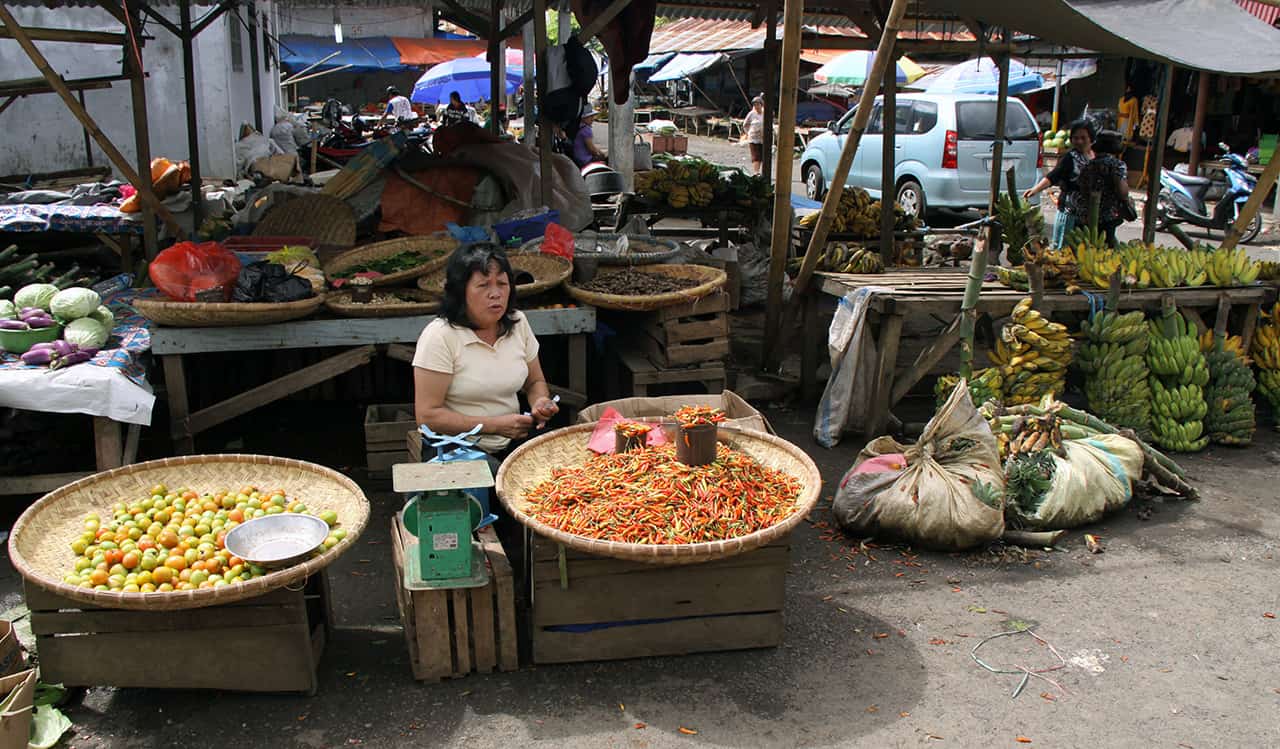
x=428, y=52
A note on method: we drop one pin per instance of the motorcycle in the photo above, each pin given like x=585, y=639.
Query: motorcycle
x=1182, y=198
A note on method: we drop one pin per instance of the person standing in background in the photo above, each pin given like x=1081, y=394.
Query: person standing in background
x=753, y=126
x=1065, y=176
x=1127, y=113
x=1107, y=177
x=398, y=108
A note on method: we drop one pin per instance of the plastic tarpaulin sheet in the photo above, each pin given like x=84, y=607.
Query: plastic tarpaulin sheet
x=427, y=52
x=298, y=51
x=1210, y=35
x=684, y=65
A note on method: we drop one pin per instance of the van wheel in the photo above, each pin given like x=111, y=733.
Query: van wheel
x=911, y=198
x=814, y=184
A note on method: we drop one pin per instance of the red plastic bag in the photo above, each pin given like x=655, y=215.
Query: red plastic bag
x=602, y=440
x=189, y=272
x=558, y=240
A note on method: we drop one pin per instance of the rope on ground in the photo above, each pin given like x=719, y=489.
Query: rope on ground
x=1025, y=672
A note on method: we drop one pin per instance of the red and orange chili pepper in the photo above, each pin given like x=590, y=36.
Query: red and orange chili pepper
x=692, y=416
x=632, y=429
x=646, y=496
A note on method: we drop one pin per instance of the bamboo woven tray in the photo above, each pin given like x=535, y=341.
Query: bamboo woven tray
x=438, y=249
x=709, y=279
x=339, y=302
x=645, y=250
x=224, y=314
x=326, y=218
x=532, y=463
x=548, y=271
x=40, y=542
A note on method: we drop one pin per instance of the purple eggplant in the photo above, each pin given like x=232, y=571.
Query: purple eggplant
x=76, y=357
x=41, y=347
x=39, y=323
x=14, y=325
x=63, y=348
x=37, y=358
x=25, y=311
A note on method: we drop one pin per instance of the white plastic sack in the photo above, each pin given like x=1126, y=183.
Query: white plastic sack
x=847, y=396
x=931, y=500
x=1095, y=477
x=519, y=167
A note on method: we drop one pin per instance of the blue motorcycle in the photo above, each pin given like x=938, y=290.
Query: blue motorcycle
x=1182, y=198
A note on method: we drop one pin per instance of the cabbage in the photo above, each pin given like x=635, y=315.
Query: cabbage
x=86, y=333
x=74, y=303
x=104, y=317
x=8, y=310
x=35, y=295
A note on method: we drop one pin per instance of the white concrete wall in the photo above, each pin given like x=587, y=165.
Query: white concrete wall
x=410, y=21
x=38, y=133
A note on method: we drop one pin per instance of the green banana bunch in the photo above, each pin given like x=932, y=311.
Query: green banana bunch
x=1178, y=376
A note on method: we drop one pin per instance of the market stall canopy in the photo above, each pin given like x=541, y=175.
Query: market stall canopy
x=468, y=76
x=1212, y=35
x=980, y=76
x=684, y=65
x=298, y=51
x=428, y=52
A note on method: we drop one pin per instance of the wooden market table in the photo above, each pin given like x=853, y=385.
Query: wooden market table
x=938, y=292
x=365, y=337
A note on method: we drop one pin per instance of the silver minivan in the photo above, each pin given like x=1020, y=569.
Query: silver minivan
x=944, y=148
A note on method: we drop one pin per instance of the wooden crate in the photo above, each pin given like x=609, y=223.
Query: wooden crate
x=451, y=633
x=649, y=610
x=384, y=428
x=690, y=333
x=273, y=642
x=710, y=375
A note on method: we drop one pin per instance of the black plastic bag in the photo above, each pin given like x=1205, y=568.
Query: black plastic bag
x=270, y=282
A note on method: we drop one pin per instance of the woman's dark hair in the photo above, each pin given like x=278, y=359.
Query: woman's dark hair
x=465, y=262
x=455, y=95
x=1109, y=142
x=1085, y=125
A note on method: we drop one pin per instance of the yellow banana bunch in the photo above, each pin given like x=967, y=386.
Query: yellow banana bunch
x=1033, y=354
x=1232, y=343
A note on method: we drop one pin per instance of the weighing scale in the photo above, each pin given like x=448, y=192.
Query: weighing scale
x=441, y=516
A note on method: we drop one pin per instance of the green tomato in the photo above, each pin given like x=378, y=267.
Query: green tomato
x=338, y=533
x=275, y=510
x=78, y=547
x=198, y=577
x=330, y=517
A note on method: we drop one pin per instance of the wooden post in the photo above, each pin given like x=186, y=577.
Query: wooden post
x=997, y=147
x=770, y=87
x=88, y=140
x=888, y=164
x=1254, y=204
x=792, y=15
x=497, y=66
x=59, y=87
x=544, y=126
x=1156, y=161
x=1197, y=130
x=193, y=134
x=254, y=79
x=530, y=94
x=141, y=135
x=622, y=134
x=818, y=241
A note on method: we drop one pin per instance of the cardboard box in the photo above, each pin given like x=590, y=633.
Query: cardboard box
x=11, y=655
x=742, y=415
x=17, y=692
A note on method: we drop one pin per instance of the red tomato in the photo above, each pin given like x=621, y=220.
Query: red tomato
x=130, y=560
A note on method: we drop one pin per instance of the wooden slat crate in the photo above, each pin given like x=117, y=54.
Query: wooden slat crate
x=710, y=375
x=690, y=333
x=276, y=641
x=649, y=610
x=384, y=428
x=451, y=633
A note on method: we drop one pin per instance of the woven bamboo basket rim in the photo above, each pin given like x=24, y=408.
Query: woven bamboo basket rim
x=330, y=220
x=664, y=249
x=710, y=279
x=39, y=543
x=218, y=314
x=443, y=247
x=339, y=302
x=548, y=271
x=532, y=463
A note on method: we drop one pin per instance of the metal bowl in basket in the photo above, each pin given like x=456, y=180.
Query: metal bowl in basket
x=642, y=248
x=277, y=540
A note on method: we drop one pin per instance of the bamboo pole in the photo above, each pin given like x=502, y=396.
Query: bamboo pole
x=792, y=14
x=997, y=146
x=969, y=305
x=59, y=87
x=1254, y=204
x=544, y=126
x=829, y=205
x=193, y=133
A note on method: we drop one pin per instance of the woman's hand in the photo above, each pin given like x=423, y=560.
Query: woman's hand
x=511, y=426
x=1030, y=193
x=544, y=409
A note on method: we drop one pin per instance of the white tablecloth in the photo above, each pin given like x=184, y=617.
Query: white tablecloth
x=81, y=389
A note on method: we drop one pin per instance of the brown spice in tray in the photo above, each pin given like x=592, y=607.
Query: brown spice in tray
x=631, y=282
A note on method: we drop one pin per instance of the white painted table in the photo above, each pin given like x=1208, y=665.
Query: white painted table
x=393, y=336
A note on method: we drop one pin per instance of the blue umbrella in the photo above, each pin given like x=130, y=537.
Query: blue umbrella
x=980, y=76
x=467, y=75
